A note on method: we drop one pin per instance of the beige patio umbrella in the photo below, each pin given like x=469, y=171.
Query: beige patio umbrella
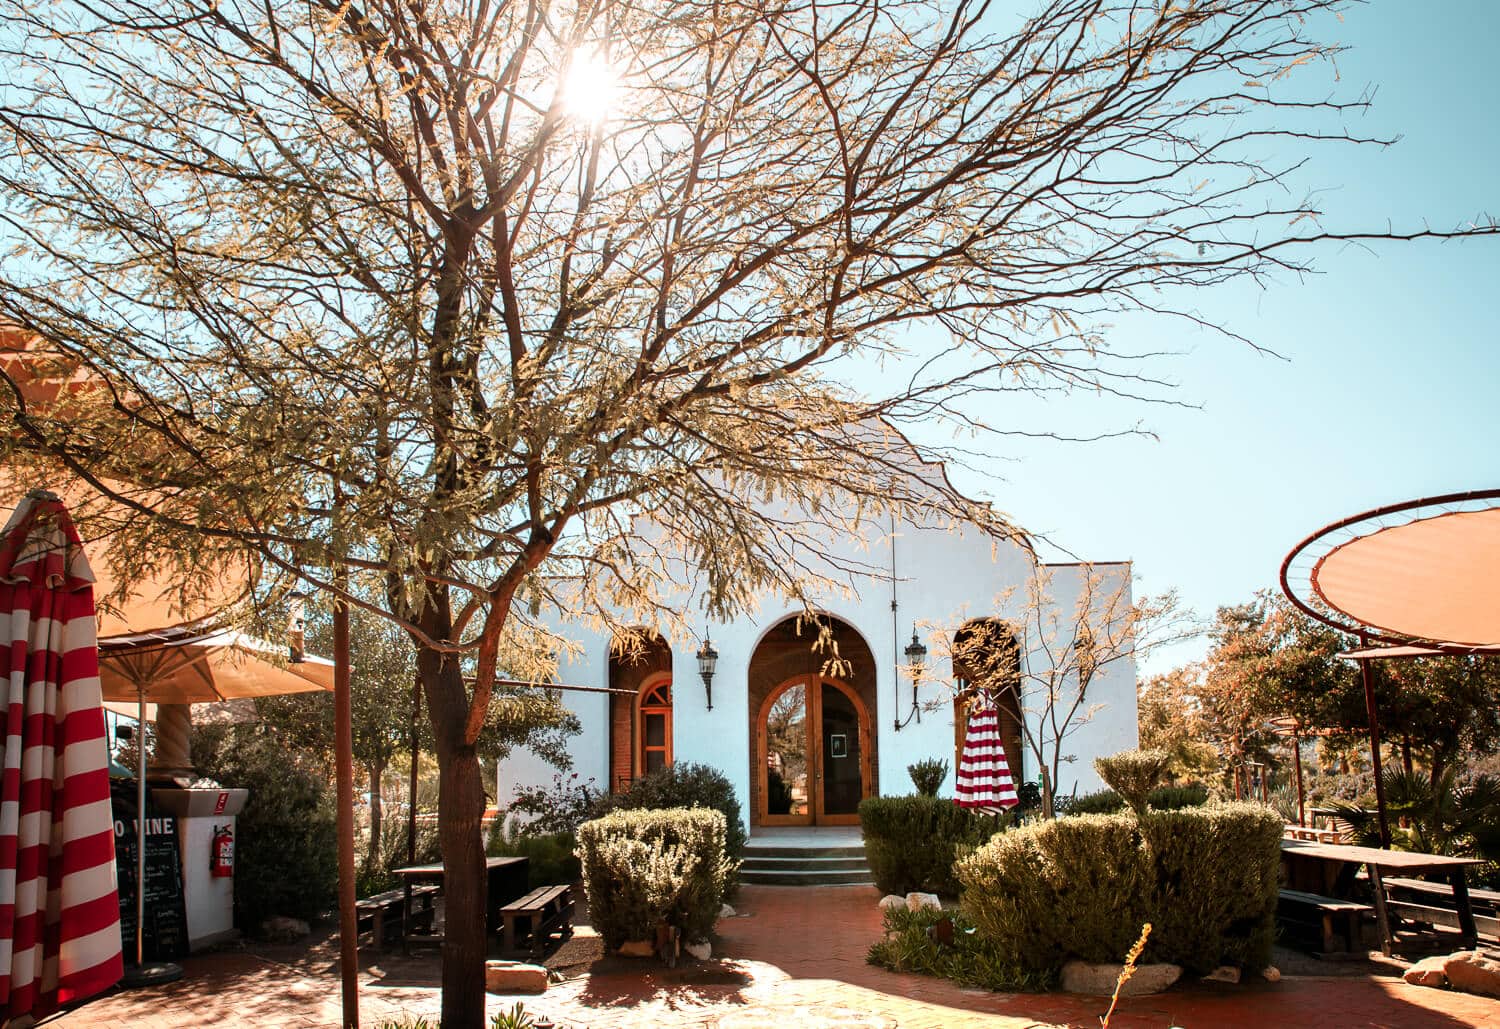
x=179, y=667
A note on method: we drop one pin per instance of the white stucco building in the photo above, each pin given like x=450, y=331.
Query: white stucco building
x=803, y=743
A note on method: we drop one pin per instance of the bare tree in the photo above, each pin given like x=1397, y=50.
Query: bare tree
x=452, y=291
x=1059, y=636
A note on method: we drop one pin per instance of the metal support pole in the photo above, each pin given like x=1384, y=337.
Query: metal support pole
x=140, y=828
x=411, y=795
x=1297, y=764
x=344, y=760
x=1369, y=682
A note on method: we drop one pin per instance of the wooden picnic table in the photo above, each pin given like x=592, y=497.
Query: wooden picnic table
x=507, y=880
x=1330, y=868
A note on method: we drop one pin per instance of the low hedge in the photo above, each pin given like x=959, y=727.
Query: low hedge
x=912, y=842
x=685, y=784
x=1205, y=878
x=1163, y=798
x=645, y=868
x=551, y=857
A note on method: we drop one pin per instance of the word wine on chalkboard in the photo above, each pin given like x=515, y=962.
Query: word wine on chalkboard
x=165, y=937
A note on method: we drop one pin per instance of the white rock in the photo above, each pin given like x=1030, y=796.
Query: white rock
x=1223, y=974
x=918, y=901
x=891, y=901
x=725, y=911
x=702, y=951
x=514, y=977
x=1473, y=972
x=1099, y=979
x=1271, y=974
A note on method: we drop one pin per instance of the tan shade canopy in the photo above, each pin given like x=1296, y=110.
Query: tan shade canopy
x=195, y=670
x=153, y=602
x=1390, y=653
x=1433, y=579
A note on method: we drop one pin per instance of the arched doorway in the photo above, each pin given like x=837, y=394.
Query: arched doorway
x=987, y=660
x=811, y=710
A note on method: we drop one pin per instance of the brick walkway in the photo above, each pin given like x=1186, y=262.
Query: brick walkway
x=795, y=960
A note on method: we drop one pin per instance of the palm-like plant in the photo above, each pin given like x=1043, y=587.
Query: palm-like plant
x=1448, y=815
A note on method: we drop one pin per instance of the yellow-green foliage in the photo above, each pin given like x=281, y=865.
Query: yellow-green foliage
x=970, y=960
x=1133, y=774
x=645, y=868
x=1206, y=878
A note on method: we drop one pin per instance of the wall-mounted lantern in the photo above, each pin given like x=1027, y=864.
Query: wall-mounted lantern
x=708, y=659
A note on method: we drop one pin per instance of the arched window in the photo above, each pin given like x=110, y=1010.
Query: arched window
x=654, y=726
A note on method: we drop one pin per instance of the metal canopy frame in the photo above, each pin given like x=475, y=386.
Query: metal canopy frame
x=1299, y=581
x=1299, y=569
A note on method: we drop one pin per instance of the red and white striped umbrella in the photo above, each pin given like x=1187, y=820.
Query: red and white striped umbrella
x=59, y=909
x=983, y=775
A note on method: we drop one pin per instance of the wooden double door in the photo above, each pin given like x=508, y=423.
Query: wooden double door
x=813, y=754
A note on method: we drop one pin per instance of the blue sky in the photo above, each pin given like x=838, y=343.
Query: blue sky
x=1386, y=388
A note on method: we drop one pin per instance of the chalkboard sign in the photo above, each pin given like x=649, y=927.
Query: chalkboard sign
x=166, y=919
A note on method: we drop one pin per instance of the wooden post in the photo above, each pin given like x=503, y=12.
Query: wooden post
x=343, y=743
x=1369, y=681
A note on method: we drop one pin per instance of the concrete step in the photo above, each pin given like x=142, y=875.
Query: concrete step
x=761, y=850
x=836, y=877
x=779, y=863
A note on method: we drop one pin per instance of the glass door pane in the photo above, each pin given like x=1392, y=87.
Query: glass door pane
x=786, y=753
x=843, y=781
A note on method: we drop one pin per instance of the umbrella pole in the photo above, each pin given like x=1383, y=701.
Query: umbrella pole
x=140, y=828
x=158, y=972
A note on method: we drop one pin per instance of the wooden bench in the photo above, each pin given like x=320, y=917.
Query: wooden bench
x=543, y=911
x=1418, y=900
x=1331, y=920
x=1484, y=901
x=383, y=911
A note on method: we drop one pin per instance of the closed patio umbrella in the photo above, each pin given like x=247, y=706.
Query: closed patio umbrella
x=59, y=910
x=983, y=779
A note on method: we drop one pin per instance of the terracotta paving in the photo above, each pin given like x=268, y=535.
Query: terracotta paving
x=795, y=959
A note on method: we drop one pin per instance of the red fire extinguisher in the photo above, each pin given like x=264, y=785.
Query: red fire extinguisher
x=221, y=855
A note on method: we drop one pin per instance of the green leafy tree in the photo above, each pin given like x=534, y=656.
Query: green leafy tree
x=384, y=672
x=454, y=293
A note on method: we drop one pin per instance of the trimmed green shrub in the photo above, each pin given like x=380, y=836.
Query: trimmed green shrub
x=912, y=842
x=644, y=868
x=1107, y=802
x=927, y=776
x=1133, y=774
x=1104, y=802
x=1205, y=878
x=685, y=784
x=551, y=855
x=970, y=960
x=1175, y=798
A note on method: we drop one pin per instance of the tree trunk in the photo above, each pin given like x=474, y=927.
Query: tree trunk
x=377, y=818
x=460, y=811
x=1406, y=752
